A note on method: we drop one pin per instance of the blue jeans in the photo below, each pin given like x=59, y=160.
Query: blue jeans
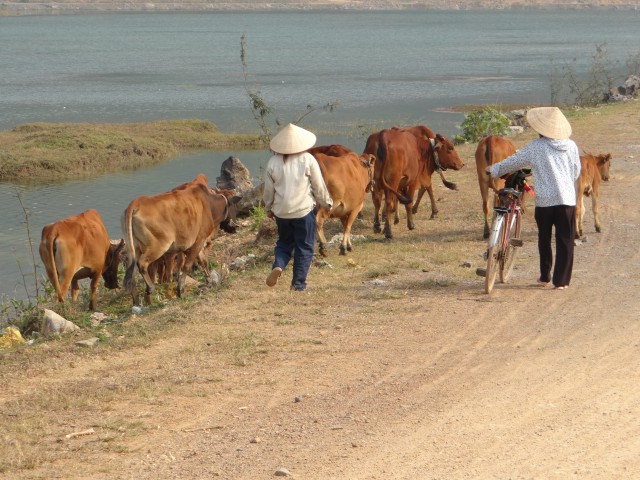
x=296, y=238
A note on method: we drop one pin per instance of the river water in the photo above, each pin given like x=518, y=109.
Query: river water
x=382, y=68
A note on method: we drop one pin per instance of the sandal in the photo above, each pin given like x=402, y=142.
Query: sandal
x=542, y=282
x=561, y=287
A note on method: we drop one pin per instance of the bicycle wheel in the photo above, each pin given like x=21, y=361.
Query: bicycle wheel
x=510, y=250
x=493, y=253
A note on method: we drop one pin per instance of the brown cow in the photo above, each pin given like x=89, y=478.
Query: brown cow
x=348, y=178
x=408, y=161
x=330, y=150
x=593, y=168
x=371, y=147
x=177, y=221
x=490, y=150
x=78, y=247
x=162, y=269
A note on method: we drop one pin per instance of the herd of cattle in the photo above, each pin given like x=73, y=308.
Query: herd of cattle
x=171, y=231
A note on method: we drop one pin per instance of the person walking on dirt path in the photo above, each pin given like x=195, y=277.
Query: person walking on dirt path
x=293, y=186
x=555, y=163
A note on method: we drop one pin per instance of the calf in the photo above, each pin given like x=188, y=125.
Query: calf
x=593, y=169
x=78, y=247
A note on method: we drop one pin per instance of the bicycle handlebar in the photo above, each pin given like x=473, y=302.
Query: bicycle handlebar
x=509, y=191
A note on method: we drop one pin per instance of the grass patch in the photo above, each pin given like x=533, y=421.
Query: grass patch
x=45, y=151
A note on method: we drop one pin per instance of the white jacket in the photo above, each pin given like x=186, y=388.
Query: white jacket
x=292, y=187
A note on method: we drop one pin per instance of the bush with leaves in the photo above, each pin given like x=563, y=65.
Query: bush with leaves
x=483, y=121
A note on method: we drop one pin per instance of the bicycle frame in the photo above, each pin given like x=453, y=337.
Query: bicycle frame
x=501, y=251
x=507, y=212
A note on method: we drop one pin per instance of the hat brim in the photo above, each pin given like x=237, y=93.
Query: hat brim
x=549, y=122
x=292, y=139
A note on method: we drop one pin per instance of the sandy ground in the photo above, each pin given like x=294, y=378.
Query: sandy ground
x=421, y=377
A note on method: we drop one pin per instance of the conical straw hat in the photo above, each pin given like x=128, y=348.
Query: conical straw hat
x=292, y=139
x=549, y=122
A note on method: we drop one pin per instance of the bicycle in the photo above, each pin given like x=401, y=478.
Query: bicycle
x=504, y=238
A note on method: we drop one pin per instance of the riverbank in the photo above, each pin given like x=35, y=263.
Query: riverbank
x=49, y=151
x=99, y=6
x=392, y=364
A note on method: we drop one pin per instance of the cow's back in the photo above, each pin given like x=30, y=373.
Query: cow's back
x=174, y=218
x=84, y=234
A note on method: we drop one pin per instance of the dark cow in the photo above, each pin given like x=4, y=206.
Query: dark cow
x=176, y=221
x=408, y=161
x=78, y=247
x=371, y=147
x=490, y=150
x=348, y=178
x=593, y=169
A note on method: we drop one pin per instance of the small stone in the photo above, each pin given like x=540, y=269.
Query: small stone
x=297, y=399
x=136, y=310
x=466, y=264
x=256, y=440
x=90, y=342
x=282, y=472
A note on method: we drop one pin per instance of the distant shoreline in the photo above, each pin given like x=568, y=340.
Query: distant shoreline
x=68, y=8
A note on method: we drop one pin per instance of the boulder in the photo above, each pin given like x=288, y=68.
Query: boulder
x=632, y=85
x=54, y=324
x=234, y=176
x=250, y=198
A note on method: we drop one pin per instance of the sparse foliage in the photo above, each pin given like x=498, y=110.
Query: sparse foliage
x=262, y=111
x=569, y=87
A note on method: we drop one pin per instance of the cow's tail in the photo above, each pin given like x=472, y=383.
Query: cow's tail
x=127, y=230
x=54, y=269
x=447, y=183
x=382, y=155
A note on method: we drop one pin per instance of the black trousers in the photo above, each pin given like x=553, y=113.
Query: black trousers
x=562, y=217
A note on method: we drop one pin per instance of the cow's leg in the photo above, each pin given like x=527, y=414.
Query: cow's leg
x=410, y=224
x=143, y=268
x=421, y=191
x=321, y=216
x=432, y=198
x=129, y=282
x=376, y=197
x=485, y=211
x=396, y=216
x=179, y=263
x=594, y=206
x=411, y=190
x=389, y=199
x=347, y=221
x=188, y=258
x=65, y=277
x=579, y=214
x=95, y=278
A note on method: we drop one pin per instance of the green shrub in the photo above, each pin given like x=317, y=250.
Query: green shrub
x=257, y=214
x=483, y=121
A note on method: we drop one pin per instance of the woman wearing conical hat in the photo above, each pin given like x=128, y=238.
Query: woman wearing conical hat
x=293, y=185
x=555, y=163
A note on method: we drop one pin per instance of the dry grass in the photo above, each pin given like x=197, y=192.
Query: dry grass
x=204, y=341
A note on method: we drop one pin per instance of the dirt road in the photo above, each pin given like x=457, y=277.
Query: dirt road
x=408, y=373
